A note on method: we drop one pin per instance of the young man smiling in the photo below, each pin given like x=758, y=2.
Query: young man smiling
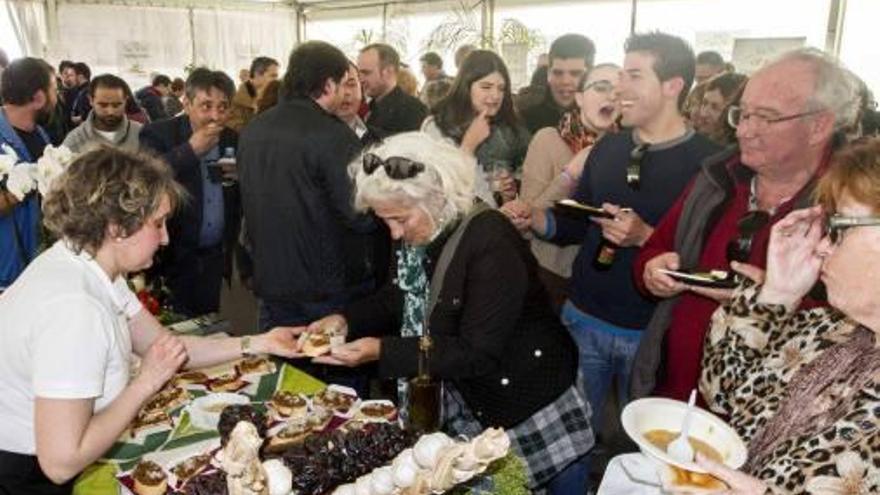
x=635, y=175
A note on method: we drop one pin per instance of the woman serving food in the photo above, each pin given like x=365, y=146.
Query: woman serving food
x=70, y=324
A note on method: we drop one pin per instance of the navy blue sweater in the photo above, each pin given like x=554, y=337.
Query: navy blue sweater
x=666, y=170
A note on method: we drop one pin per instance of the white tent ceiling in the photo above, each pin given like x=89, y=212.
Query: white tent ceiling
x=170, y=34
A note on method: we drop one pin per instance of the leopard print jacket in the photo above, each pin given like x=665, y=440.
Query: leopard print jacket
x=751, y=353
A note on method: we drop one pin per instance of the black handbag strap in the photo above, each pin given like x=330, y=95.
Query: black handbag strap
x=446, y=258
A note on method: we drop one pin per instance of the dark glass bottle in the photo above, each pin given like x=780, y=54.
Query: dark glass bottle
x=604, y=255
x=424, y=394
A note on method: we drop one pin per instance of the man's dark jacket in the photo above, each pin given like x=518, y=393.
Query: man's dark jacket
x=544, y=114
x=396, y=112
x=308, y=244
x=170, y=139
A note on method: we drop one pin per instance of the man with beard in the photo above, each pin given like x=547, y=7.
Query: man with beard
x=28, y=91
x=203, y=232
x=106, y=123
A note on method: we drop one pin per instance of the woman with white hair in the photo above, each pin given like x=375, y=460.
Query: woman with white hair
x=504, y=358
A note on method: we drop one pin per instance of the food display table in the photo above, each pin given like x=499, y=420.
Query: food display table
x=182, y=438
x=169, y=443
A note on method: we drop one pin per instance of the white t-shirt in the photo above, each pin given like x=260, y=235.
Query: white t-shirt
x=107, y=135
x=63, y=335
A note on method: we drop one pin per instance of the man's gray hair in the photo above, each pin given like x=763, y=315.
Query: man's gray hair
x=836, y=89
x=445, y=188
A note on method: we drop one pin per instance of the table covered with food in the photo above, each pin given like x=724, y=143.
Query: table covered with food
x=260, y=426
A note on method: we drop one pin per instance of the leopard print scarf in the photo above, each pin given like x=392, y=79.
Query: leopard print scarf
x=820, y=393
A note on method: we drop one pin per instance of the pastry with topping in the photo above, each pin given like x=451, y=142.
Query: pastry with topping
x=149, y=479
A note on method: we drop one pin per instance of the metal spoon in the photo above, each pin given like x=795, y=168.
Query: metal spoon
x=680, y=448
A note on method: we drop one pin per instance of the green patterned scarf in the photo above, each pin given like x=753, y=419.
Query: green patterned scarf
x=413, y=281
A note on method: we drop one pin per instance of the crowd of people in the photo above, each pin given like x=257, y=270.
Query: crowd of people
x=342, y=195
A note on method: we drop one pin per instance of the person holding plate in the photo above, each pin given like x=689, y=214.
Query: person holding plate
x=502, y=355
x=801, y=387
x=70, y=324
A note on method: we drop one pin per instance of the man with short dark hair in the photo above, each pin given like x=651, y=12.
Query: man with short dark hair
x=635, y=175
x=80, y=107
x=29, y=92
x=306, y=239
x=150, y=97
x=571, y=56
x=709, y=64
x=204, y=231
x=67, y=73
x=391, y=110
x=244, y=104
x=432, y=69
x=107, y=123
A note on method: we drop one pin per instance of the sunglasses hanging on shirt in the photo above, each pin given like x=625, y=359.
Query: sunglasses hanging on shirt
x=396, y=167
x=634, y=168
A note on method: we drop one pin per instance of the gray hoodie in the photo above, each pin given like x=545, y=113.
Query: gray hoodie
x=85, y=136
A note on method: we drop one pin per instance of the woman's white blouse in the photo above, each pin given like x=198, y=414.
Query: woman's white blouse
x=63, y=335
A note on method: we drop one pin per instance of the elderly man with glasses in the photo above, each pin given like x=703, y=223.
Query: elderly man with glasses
x=787, y=125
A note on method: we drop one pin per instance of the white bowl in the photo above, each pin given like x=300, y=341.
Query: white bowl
x=204, y=412
x=654, y=413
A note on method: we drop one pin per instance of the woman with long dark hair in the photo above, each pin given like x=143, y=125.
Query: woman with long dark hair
x=478, y=116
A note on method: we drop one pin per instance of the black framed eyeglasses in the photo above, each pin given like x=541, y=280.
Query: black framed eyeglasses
x=736, y=116
x=396, y=167
x=634, y=168
x=740, y=248
x=836, y=225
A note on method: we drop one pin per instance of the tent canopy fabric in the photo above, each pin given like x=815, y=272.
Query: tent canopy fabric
x=137, y=37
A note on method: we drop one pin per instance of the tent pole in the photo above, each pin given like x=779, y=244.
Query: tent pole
x=632, y=19
x=192, y=35
x=487, y=23
x=836, y=18
x=384, y=22
x=52, y=28
x=300, y=24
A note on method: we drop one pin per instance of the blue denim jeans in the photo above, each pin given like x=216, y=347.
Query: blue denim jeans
x=605, y=351
x=572, y=480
